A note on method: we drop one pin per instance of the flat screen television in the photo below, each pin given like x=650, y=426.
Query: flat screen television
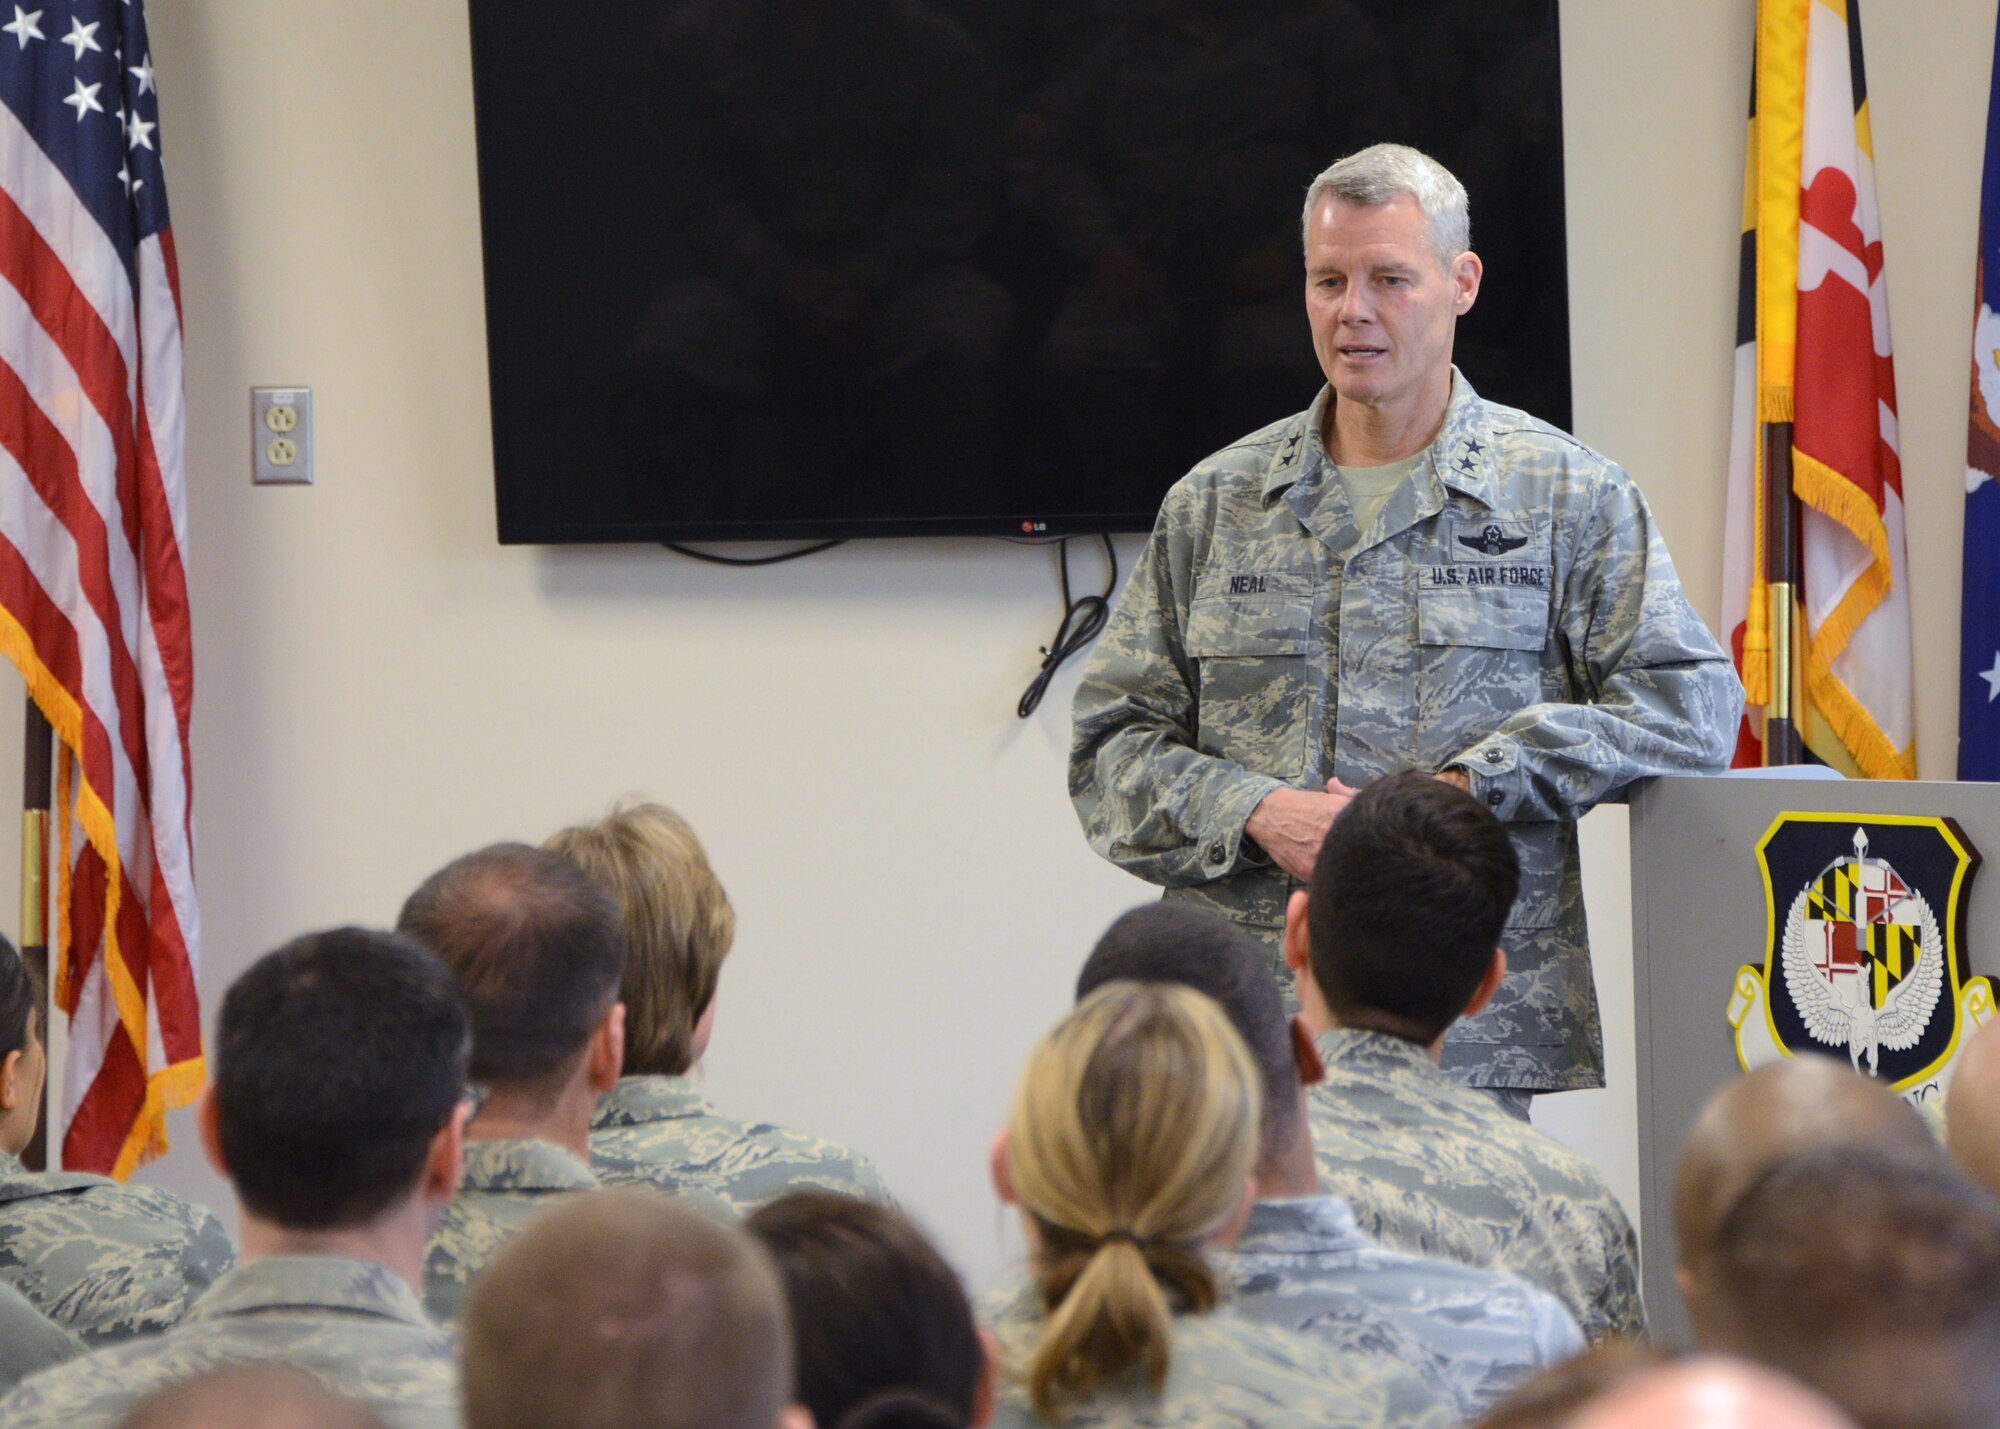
x=828, y=268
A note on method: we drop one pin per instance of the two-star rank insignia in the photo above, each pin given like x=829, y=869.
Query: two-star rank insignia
x=1493, y=541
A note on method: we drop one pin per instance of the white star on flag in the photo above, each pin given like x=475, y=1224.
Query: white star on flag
x=84, y=100
x=24, y=27
x=125, y=177
x=79, y=37
x=1992, y=679
x=141, y=133
x=143, y=72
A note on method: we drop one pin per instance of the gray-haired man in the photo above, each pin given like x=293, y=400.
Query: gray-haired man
x=1402, y=575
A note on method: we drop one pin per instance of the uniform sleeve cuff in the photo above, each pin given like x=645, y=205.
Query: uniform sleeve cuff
x=1490, y=765
x=1226, y=848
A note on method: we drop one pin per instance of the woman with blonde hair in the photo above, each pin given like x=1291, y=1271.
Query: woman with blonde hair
x=1130, y=1152
x=655, y=1127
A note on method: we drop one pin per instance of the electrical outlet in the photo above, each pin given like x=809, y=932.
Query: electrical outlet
x=281, y=436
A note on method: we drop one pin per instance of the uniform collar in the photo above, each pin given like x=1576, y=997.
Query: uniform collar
x=634, y=1101
x=1461, y=454
x=523, y=1164
x=18, y=1183
x=311, y=1282
x=1310, y=1225
x=1357, y=1047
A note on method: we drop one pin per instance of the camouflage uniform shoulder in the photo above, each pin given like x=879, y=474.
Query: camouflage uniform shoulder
x=660, y=1131
x=105, y=1260
x=507, y=1183
x=351, y=1324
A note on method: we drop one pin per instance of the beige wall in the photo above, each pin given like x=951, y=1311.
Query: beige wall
x=381, y=685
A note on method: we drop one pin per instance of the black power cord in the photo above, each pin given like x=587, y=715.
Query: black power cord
x=779, y=559
x=1082, y=621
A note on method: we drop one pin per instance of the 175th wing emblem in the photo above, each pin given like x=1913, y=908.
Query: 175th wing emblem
x=1865, y=948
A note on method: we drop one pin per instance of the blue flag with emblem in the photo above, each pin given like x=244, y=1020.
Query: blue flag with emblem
x=1979, y=624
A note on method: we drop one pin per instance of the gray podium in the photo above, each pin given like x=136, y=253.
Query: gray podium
x=1699, y=914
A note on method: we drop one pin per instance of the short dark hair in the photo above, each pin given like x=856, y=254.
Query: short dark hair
x=1870, y=1276
x=626, y=1309
x=20, y=1000
x=538, y=947
x=1408, y=896
x=337, y=1059
x=1177, y=942
x=879, y=1320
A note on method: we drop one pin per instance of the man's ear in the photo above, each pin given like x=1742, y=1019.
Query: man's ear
x=986, y=1392
x=996, y=1166
x=446, y=1160
x=1305, y=1055
x=1297, y=943
x=1465, y=275
x=10, y=1081
x=607, y=1049
x=208, y=1126
x=1496, y=971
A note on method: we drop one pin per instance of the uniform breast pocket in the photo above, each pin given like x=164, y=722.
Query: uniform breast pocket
x=1250, y=656
x=1480, y=659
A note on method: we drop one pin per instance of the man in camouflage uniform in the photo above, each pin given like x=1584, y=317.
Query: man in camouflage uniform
x=538, y=950
x=1301, y=1262
x=1403, y=575
x=106, y=1261
x=1395, y=940
x=337, y=1114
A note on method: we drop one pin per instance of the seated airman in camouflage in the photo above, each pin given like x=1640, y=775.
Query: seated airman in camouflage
x=1782, y=1109
x=1301, y=1262
x=1130, y=1152
x=621, y=1309
x=655, y=1127
x=538, y=951
x=1394, y=940
x=105, y=1261
x=338, y=1116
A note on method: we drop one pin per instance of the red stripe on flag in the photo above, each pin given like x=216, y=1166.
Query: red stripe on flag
x=106, y=1112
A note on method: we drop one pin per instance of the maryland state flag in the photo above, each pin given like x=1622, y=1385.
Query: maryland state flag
x=1813, y=350
x=1979, y=623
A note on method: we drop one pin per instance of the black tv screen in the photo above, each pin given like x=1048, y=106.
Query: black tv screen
x=820, y=268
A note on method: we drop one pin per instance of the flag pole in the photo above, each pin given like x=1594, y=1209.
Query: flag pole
x=1781, y=574
x=37, y=788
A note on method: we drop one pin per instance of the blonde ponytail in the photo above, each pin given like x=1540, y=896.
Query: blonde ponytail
x=1134, y=1132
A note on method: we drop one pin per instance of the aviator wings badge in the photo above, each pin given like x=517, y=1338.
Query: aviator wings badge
x=1864, y=951
x=1493, y=541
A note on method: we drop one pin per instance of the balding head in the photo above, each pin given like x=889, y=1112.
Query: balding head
x=1775, y=1112
x=1972, y=1108
x=1711, y=1393
x=627, y=1310
x=249, y=1396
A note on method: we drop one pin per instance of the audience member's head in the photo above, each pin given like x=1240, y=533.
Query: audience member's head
x=1767, y=1115
x=1179, y=943
x=884, y=1333
x=1972, y=1108
x=625, y=1309
x=538, y=948
x=1872, y=1278
x=1551, y=1398
x=678, y=927
x=1710, y=1393
x=249, y=1396
x=23, y=1054
x=1130, y=1149
x=339, y=1075
x=1399, y=929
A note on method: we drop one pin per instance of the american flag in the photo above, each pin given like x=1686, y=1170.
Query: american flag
x=93, y=527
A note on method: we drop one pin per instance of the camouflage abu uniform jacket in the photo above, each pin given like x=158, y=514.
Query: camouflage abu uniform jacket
x=506, y=1184
x=660, y=1131
x=1222, y=1370
x=1473, y=1334
x=350, y=1323
x=104, y=1260
x=1511, y=610
x=1434, y=1168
